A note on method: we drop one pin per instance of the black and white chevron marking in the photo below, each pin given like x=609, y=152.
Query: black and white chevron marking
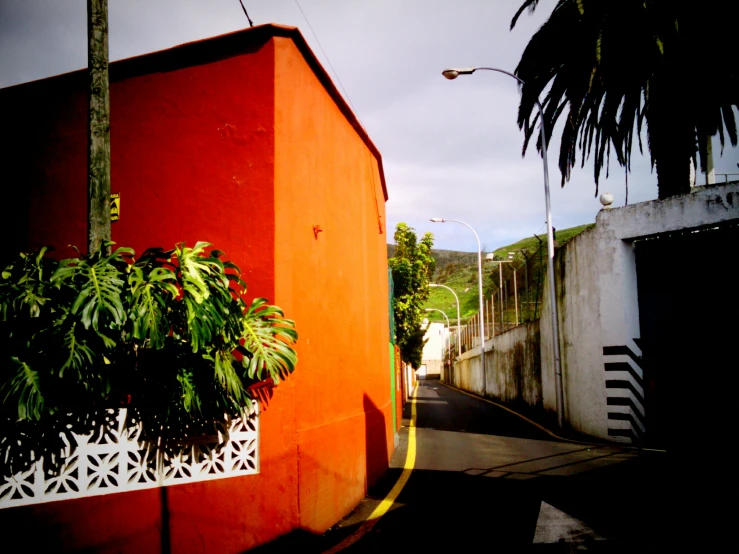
x=624, y=393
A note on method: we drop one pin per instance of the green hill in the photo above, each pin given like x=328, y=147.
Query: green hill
x=458, y=271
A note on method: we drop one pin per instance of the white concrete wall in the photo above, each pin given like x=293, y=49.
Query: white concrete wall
x=513, y=369
x=599, y=310
x=581, y=339
x=436, y=335
x=467, y=373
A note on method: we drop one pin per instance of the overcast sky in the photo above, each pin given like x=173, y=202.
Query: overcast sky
x=451, y=148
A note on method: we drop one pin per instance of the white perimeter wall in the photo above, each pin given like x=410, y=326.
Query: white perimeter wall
x=598, y=308
x=436, y=333
x=599, y=311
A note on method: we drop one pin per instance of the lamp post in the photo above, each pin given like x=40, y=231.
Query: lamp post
x=453, y=73
x=479, y=280
x=500, y=288
x=459, y=327
x=448, y=325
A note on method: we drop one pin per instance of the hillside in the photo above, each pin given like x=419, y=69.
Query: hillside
x=444, y=257
x=458, y=271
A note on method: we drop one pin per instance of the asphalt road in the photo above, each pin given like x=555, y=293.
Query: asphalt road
x=485, y=479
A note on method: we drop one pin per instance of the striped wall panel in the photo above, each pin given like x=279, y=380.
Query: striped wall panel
x=625, y=393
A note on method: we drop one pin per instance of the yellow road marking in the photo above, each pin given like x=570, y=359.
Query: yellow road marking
x=387, y=502
x=410, y=461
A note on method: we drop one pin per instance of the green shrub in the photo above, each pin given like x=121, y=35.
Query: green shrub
x=169, y=336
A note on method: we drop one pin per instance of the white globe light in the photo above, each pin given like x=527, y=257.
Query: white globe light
x=606, y=199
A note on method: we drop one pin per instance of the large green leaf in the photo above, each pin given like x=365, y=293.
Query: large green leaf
x=151, y=291
x=23, y=387
x=190, y=398
x=78, y=356
x=203, y=278
x=99, y=286
x=170, y=335
x=23, y=284
x=269, y=336
x=228, y=378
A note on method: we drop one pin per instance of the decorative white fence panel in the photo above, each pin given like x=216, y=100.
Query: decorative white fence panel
x=118, y=461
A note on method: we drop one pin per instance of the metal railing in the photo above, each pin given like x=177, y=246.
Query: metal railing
x=726, y=176
x=517, y=301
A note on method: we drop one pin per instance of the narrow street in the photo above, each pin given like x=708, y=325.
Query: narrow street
x=486, y=479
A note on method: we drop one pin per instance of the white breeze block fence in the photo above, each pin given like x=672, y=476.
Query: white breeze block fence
x=117, y=460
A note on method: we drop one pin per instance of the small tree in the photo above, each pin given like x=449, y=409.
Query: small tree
x=412, y=269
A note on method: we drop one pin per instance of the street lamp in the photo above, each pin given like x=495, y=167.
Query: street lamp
x=500, y=290
x=453, y=73
x=459, y=327
x=448, y=325
x=482, y=303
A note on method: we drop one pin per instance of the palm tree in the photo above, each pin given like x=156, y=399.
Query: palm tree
x=616, y=65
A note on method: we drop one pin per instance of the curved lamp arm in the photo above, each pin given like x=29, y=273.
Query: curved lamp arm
x=480, y=293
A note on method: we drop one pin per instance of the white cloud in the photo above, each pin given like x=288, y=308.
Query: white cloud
x=450, y=148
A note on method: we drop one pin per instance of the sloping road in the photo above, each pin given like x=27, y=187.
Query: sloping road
x=483, y=478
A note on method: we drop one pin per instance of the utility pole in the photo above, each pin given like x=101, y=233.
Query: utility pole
x=98, y=155
x=710, y=171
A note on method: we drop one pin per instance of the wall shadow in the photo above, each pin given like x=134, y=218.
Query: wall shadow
x=375, y=439
x=166, y=538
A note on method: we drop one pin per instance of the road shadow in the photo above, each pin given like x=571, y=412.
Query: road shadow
x=440, y=510
x=436, y=510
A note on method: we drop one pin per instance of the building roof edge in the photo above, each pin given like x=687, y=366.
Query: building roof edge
x=225, y=46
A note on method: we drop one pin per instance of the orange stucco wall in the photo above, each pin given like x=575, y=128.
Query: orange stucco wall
x=193, y=159
x=248, y=152
x=334, y=283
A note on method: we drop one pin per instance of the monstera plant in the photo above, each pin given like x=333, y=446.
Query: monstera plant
x=168, y=335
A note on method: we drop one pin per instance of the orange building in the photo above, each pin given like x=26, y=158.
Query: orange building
x=243, y=141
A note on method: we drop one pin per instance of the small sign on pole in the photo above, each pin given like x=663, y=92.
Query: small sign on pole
x=115, y=206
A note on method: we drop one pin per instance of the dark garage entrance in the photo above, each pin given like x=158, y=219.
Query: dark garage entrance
x=688, y=301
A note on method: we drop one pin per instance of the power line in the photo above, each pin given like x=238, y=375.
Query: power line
x=251, y=23
x=351, y=105
x=338, y=79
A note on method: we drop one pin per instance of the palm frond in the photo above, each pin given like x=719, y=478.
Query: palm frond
x=730, y=123
x=583, y=56
x=528, y=4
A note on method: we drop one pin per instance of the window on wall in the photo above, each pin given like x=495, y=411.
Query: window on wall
x=116, y=459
